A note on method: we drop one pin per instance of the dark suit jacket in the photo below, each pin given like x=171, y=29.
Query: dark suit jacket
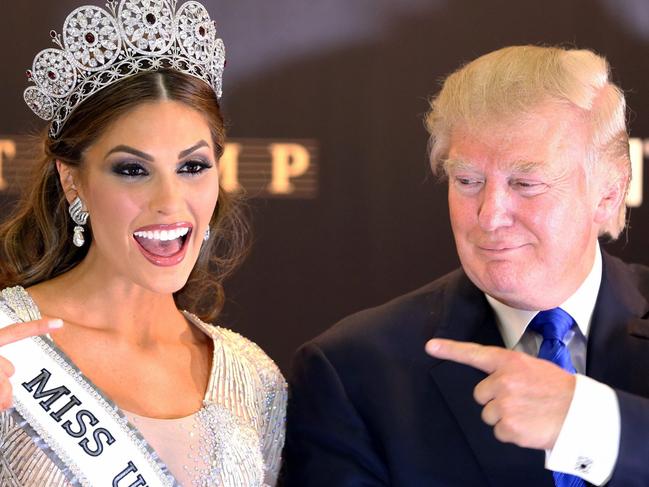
x=368, y=407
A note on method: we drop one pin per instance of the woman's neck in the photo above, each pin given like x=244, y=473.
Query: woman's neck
x=112, y=305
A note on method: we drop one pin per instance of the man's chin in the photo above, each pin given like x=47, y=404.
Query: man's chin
x=510, y=289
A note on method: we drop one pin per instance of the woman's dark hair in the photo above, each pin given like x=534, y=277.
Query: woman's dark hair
x=35, y=241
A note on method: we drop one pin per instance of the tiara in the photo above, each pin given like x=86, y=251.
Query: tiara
x=99, y=47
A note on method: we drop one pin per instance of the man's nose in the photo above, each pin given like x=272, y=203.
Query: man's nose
x=495, y=207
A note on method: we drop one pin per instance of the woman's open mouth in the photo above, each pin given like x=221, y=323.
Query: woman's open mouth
x=164, y=245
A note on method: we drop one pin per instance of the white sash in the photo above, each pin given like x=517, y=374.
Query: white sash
x=83, y=429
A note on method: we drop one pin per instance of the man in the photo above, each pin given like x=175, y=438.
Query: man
x=534, y=144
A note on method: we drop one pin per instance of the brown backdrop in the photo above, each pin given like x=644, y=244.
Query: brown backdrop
x=354, y=76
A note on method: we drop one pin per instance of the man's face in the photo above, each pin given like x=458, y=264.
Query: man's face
x=524, y=212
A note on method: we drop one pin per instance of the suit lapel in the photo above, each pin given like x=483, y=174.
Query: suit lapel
x=618, y=342
x=468, y=317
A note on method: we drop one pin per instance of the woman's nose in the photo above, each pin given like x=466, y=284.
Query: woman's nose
x=166, y=195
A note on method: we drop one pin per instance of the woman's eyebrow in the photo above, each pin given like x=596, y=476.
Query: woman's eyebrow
x=197, y=145
x=130, y=150
x=147, y=157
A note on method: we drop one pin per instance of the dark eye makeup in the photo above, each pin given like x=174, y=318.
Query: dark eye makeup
x=134, y=169
x=129, y=169
x=194, y=166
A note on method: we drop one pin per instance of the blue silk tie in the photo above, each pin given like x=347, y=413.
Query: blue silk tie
x=553, y=325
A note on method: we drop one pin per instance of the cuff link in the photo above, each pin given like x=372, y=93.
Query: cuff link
x=583, y=464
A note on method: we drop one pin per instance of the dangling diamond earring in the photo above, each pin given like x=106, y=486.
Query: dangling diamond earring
x=206, y=235
x=79, y=216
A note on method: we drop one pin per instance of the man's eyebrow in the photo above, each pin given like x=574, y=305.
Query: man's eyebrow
x=456, y=165
x=525, y=166
x=130, y=150
x=521, y=166
x=196, y=146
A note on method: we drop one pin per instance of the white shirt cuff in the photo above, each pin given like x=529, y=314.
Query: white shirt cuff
x=589, y=439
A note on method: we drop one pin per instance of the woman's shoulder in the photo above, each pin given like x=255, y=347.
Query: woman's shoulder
x=249, y=349
x=246, y=352
x=17, y=304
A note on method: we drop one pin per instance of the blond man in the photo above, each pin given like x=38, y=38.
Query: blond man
x=525, y=367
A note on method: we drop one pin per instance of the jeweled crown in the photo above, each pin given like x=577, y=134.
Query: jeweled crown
x=99, y=47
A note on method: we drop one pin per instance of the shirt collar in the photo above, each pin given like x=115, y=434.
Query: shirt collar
x=512, y=322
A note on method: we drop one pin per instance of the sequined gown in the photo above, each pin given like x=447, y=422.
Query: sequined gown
x=234, y=440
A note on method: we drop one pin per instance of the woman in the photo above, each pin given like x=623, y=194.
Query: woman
x=124, y=228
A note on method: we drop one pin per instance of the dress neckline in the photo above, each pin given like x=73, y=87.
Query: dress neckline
x=149, y=419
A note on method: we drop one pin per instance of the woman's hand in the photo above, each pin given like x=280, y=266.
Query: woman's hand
x=13, y=333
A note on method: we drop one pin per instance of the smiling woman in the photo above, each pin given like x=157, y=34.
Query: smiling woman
x=112, y=116
x=126, y=238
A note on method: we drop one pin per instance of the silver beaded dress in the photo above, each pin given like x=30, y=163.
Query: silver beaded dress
x=234, y=440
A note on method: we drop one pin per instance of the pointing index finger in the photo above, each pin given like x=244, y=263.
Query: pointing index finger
x=487, y=359
x=19, y=331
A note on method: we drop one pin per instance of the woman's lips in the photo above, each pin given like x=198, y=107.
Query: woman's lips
x=164, y=244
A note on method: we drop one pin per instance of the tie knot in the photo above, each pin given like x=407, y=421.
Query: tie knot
x=552, y=324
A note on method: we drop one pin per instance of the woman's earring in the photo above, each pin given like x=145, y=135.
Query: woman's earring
x=79, y=216
x=206, y=235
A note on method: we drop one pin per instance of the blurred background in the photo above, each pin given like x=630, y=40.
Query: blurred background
x=349, y=80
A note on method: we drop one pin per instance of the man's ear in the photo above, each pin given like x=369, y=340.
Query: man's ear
x=68, y=176
x=611, y=197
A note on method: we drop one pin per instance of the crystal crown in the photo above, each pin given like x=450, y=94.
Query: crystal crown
x=100, y=47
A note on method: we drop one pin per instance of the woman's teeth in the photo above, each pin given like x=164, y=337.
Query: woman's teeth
x=163, y=235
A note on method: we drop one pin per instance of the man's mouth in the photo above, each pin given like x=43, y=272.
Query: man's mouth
x=499, y=247
x=164, y=245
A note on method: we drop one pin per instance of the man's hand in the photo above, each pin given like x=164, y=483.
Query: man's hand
x=525, y=399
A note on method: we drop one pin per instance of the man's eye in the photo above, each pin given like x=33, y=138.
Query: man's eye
x=525, y=184
x=130, y=169
x=194, y=167
x=529, y=187
x=466, y=181
x=468, y=185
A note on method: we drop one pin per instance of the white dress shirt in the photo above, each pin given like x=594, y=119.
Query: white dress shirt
x=588, y=442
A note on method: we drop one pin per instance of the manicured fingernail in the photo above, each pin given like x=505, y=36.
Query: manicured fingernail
x=54, y=324
x=432, y=345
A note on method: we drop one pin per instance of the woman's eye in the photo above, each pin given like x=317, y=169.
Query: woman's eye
x=194, y=167
x=130, y=169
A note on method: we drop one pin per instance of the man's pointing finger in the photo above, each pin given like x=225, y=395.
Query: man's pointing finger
x=487, y=359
